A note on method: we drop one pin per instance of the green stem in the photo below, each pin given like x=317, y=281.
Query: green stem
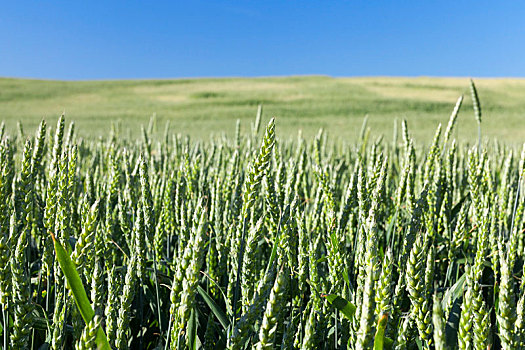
x=157, y=289
x=239, y=270
x=168, y=335
x=4, y=316
x=47, y=292
x=479, y=138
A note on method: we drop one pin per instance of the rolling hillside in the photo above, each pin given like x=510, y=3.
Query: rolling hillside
x=200, y=107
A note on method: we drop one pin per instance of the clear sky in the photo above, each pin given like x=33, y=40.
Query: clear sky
x=156, y=39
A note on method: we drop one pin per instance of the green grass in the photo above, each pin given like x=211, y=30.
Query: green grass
x=200, y=107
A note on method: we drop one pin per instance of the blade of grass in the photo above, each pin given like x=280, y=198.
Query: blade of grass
x=192, y=331
x=79, y=293
x=341, y=304
x=379, y=338
x=221, y=316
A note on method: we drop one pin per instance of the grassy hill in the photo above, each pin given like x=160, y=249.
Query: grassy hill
x=201, y=107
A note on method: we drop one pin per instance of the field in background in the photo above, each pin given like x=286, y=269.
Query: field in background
x=200, y=107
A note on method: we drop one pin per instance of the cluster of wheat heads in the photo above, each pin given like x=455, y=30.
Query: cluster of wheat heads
x=258, y=242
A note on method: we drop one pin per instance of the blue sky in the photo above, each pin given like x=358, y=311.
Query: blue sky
x=156, y=39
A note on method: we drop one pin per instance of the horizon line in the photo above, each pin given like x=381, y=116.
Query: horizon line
x=384, y=76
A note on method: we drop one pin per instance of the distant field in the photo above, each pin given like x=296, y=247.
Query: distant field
x=201, y=107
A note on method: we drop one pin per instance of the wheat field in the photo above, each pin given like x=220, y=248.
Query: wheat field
x=251, y=240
